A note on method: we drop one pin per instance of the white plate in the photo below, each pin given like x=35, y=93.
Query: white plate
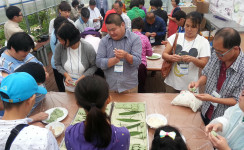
x=154, y=56
x=49, y=111
x=58, y=128
x=156, y=120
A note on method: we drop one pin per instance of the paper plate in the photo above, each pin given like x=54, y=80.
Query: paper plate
x=156, y=120
x=58, y=128
x=49, y=111
x=154, y=56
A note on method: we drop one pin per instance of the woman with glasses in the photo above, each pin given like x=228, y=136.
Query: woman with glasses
x=74, y=57
x=192, y=52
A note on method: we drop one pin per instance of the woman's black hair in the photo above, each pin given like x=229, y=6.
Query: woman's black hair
x=21, y=41
x=142, y=2
x=57, y=23
x=177, y=2
x=64, y=6
x=156, y=3
x=195, y=17
x=137, y=23
x=91, y=94
x=134, y=3
x=75, y=3
x=67, y=31
x=167, y=143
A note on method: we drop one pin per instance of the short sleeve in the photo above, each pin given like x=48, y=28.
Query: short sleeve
x=171, y=39
x=204, y=50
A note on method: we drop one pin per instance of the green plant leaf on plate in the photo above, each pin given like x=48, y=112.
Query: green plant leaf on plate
x=129, y=113
x=134, y=133
x=133, y=126
x=127, y=120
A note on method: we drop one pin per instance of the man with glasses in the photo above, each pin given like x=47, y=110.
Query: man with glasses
x=12, y=25
x=223, y=75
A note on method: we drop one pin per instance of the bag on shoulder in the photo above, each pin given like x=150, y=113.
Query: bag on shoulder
x=167, y=65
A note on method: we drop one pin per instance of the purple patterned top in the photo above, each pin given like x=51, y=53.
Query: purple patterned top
x=75, y=140
x=146, y=47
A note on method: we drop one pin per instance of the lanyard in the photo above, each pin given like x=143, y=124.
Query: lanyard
x=184, y=43
x=118, y=47
x=78, y=60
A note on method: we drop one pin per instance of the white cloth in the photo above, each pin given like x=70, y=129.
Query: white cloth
x=233, y=127
x=202, y=49
x=94, y=41
x=51, y=28
x=80, y=25
x=73, y=66
x=29, y=138
x=127, y=21
x=95, y=14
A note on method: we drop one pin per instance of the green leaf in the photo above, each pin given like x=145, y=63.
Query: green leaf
x=133, y=126
x=134, y=133
x=127, y=120
x=129, y=113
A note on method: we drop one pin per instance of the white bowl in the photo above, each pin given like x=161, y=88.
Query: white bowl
x=156, y=120
x=58, y=128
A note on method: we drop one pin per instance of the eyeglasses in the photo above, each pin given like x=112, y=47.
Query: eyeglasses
x=20, y=15
x=222, y=55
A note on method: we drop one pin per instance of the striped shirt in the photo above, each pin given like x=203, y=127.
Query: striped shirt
x=231, y=87
x=12, y=64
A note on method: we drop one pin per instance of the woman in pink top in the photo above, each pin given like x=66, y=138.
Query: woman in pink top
x=137, y=25
x=172, y=27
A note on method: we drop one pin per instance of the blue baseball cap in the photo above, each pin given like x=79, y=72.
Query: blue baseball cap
x=19, y=87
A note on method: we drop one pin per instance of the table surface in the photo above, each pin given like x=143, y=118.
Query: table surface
x=221, y=24
x=189, y=123
x=155, y=65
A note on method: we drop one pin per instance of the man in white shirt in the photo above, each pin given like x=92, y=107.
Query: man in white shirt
x=95, y=14
x=118, y=7
x=15, y=16
x=83, y=21
x=17, y=92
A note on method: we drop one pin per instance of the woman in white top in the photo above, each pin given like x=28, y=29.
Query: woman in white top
x=74, y=57
x=64, y=9
x=192, y=52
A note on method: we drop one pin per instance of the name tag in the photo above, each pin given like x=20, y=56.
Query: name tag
x=184, y=69
x=152, y=39
x=119, y=67
x=215, y=94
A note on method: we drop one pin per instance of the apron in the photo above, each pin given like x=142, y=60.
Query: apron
x=172, y=27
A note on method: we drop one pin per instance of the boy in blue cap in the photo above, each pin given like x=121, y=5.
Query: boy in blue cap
x=18, y=92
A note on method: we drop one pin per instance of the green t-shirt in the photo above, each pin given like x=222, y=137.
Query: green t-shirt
x=135, y=12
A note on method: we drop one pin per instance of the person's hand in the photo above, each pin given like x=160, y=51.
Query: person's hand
x=68, y=81
x=100, y=18
x=164, y=43
x=153, y=34
x=193, y=85
x=79, y=79
x=175, y=58
x=52, y=130
x=148, y=34
x=187, y=58
x=39, y=117
x=47, y=75
x=120, y=54
x=204, y=97
x=219, y=142
x=95, y=20
x=213, y=127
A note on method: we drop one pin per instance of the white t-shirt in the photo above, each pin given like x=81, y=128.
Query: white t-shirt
x=29, y=138
x=94, y=41
x=73, y=65
x=95, y=14
x=199, y=47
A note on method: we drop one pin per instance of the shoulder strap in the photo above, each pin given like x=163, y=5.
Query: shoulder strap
x=175, y=41
x=14, y=132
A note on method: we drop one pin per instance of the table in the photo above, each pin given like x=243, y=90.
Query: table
x=189, y=123
x=155, y=65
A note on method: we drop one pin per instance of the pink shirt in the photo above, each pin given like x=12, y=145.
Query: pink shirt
x=146, y=48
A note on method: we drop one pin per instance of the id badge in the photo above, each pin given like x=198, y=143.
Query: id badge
x=184, y=68
x=215, y=94
x=119, y=67
x=152, y=39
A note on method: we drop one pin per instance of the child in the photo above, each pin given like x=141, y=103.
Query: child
x=18, y=92
x=96, y=132
x=168, y=137
x=230, y=126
